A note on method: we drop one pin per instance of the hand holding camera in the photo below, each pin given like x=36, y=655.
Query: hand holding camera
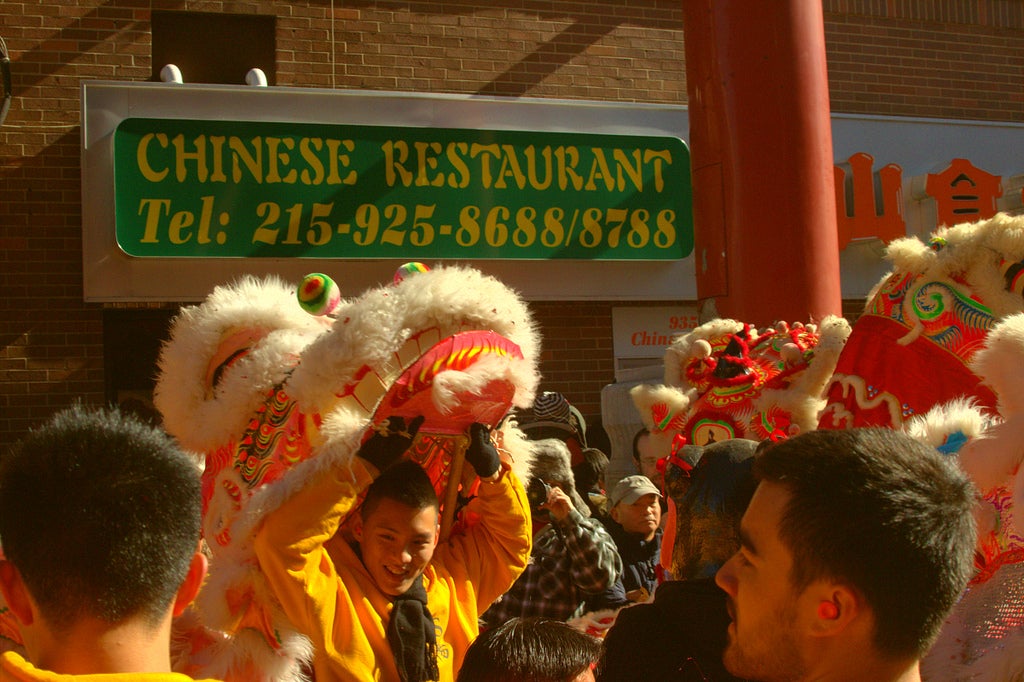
x=537, y=493
x=548, y=497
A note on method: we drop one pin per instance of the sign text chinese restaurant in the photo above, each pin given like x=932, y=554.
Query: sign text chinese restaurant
x=205, y=188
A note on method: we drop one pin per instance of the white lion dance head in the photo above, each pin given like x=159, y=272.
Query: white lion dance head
x=273, y=383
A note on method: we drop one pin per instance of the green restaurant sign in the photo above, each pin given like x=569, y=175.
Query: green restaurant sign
x=232, y=189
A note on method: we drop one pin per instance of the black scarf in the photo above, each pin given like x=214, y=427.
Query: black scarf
x=411, y=635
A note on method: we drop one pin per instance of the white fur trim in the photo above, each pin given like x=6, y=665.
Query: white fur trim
x=450, y=300
x=675, y=400
x=972, y=251
x=957, y=416
x=200, y=421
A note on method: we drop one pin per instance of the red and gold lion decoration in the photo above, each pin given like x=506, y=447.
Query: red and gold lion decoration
x=727, y=379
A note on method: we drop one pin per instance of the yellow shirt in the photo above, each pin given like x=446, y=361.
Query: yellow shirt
x=15, y=668
x=329, y=596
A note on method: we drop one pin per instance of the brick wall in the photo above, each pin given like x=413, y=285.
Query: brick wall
x=577, y=358
x=957, y=59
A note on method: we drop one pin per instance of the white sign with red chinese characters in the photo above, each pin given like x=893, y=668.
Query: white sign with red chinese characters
x=645, y=332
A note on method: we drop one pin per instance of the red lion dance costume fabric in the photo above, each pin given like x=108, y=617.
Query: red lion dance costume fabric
x=911, y=348
x=726, y=379
x=939, y=352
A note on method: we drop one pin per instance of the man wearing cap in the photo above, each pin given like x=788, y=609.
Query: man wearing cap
x=635, y=526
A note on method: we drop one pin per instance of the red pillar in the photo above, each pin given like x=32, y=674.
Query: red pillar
x=766, y=244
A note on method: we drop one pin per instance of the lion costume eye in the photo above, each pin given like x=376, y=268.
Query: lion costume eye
x=1013, y=276
x=219, y=370
x=232, y=348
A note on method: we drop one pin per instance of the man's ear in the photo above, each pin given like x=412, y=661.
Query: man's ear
x=836, y=608
x=614, y=513
x=15, y=593
x=193, y=582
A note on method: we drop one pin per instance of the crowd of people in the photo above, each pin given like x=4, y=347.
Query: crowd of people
x=830, y=555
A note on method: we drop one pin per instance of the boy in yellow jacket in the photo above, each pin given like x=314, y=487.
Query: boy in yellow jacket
x=396, y=605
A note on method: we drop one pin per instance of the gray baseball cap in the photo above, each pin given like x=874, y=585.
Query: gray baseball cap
x=632, y=488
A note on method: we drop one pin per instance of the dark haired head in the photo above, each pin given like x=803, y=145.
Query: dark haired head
x=406, y=483
x=636, y=444
x=714, y=498
x=529, y=650
x=883, y=513
x=590, y=472
x=100, y=514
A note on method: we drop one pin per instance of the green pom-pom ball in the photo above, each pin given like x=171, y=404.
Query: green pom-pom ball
x=318, y=294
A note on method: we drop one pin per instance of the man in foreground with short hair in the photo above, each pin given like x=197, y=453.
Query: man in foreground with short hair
x=395, y=605
x=855, y=546
x=100, y=524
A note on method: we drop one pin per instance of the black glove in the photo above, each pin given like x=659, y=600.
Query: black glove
x=391, y=440
x=481, y=453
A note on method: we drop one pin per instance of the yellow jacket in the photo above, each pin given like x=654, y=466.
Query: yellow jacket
x=329, y=596
x=16, y=669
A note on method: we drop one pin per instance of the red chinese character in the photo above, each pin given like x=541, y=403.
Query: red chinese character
x=865, y=216
x=963, y=193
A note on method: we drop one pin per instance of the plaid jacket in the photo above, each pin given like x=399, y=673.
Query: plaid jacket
x=571, y=559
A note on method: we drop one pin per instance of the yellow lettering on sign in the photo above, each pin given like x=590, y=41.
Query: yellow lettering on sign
x=263, y=160
x=531, y=167
x=501, y=166
x=659, y=159
x=181, y=156
x=217, y=145
x=396, y=153
x=599, y=171
x=510, y=168
x=339, y=161
x=634, y=170
x=568, y=158
x=253, y=161
x=276, y=158
x=142, y=157
x=152, y=208
x=308, y=146
x=426, y=160
x=485, y=152
x=455, y=152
